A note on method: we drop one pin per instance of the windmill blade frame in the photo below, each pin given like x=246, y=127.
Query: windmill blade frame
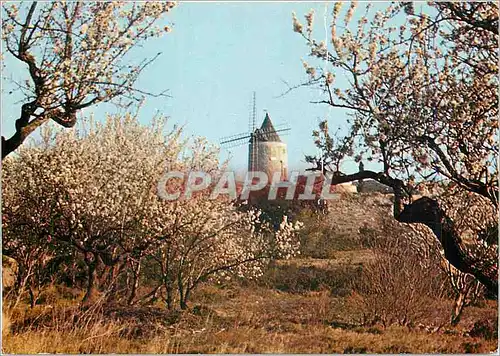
x=247, y=136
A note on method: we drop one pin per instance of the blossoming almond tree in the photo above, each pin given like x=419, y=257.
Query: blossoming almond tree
x=423, y=97
x=75, y=54
x=422, y=91
x=93, y=190
x=89, y=188
x=212, y=240
x=201, y=237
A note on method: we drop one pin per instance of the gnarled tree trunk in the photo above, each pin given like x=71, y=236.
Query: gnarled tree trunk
x=481, y=262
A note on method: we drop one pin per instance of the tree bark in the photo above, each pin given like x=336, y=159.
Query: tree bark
x=92, y=279
x=135, y=283
x=396, y=184
x=23, y=128
x=481, y=263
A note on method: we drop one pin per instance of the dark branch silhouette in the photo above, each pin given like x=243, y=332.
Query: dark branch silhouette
x=481, y=262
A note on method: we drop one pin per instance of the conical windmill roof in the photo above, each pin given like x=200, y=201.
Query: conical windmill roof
x=267, y=132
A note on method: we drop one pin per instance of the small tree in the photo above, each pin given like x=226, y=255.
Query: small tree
x=212, y=240
x=75, y=54
x=203, y=238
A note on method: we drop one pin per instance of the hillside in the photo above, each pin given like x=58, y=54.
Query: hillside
x=310, y=304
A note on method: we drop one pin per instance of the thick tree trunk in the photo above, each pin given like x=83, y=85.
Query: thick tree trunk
x=458, y=307
x=168, y=284
x=91, y=280
x=398, y=197
x=24, y=127
x=481, y=263
x=182, y=297
x=169, y=290
x=135, y=284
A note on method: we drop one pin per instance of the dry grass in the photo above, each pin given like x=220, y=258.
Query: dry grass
x=232, y=320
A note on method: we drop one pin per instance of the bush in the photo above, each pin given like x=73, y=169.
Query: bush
x=485, y=328
x=397, y=286
x=321, y=236
x=292, y=278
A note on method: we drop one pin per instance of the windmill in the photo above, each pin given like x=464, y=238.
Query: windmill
x=266, y=152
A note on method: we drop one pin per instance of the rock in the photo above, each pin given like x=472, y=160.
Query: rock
x=9, y=271
x=345, y=188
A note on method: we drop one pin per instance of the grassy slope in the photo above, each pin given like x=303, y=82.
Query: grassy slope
x=301, y=306
x=241, y=320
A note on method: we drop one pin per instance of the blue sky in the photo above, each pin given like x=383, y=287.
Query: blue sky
x=218, y=54
x=212, y=61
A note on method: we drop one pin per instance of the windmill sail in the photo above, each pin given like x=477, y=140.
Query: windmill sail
x=243, y=138
x=266, y=151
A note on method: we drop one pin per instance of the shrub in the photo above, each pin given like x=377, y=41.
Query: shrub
x=293, y=278
x=485, y=328
x=401, y=280
x=322, y=236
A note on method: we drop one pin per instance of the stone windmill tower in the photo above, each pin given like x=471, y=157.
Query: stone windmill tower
x=266, y=152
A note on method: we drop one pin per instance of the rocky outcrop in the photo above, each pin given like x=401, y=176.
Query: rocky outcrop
x=372, y=186
x=9, y=272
